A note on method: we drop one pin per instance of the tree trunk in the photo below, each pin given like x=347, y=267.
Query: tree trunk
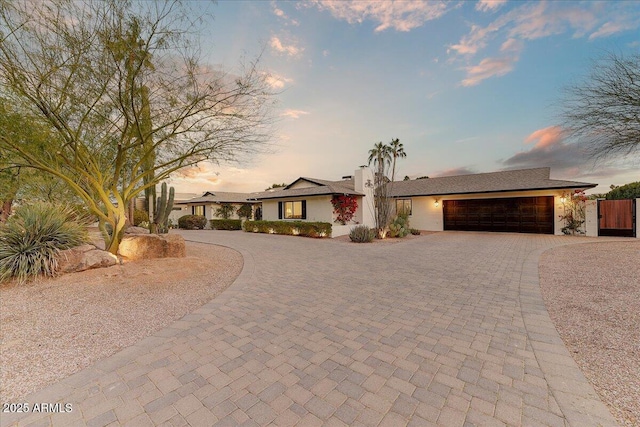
x=118, y=214
x=5, y=210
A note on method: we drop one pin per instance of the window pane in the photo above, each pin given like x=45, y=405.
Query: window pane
x=297, y=210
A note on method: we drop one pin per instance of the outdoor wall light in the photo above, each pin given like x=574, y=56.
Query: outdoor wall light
x=436, y=203
x=563, y=199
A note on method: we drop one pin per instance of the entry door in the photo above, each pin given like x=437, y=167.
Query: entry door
x=617, y=218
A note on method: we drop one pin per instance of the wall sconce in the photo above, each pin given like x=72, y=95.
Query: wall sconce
x=563, y=199
x=436, y=203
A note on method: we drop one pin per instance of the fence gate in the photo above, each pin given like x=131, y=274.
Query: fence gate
x=617, y=218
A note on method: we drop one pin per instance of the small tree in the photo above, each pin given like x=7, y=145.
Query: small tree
x=627, y=191
x=225, y=211
x=121, y=86
x=245, y=211
x=274, y=186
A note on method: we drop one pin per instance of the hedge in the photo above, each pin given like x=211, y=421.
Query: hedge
x=226, y=224
x=192, y=222
x=292, y=228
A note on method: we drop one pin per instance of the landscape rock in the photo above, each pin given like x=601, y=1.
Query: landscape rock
x=145, y=246
x=84, y=257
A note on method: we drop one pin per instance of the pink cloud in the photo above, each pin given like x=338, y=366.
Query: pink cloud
x=399, y=15
x=289, y=49
x=489, y=67
x=294, y=114
x=547, y=137
x=489, y=5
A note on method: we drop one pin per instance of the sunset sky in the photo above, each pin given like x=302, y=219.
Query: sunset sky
x=466, y=86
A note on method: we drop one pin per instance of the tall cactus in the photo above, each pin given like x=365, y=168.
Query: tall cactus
x=164, y=206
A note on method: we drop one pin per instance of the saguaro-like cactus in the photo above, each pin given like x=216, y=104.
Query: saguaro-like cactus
x=164, y=205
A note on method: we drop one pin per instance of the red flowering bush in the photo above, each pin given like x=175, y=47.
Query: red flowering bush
x=344, y=207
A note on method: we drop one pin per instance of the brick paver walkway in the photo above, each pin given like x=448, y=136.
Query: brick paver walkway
x=448, y=329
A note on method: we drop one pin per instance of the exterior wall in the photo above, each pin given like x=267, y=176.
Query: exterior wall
x=177, y=212
x=426, y=216
x=303, y=184
x=591, y=218
x=210, y=210
x=638, y=218
x=319, y=209
x=365, y=213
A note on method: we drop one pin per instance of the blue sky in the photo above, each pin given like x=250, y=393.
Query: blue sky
x=466, y=86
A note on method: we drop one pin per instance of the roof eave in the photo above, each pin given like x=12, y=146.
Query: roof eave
x=564, y=187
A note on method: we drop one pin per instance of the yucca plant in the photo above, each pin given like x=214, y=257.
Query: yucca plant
x=32, y=238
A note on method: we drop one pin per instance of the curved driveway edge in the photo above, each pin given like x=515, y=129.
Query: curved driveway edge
x=447, y=329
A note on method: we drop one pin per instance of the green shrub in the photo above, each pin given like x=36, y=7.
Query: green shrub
x=192, y=222
x=32, y=238
x=140, y=217
x=226, y=224
x=225, y=210
x=414, y=231
x=361, y=234
x=292, y=228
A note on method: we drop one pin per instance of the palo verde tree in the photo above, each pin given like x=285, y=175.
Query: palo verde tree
x=603, y=111
x=130, y=101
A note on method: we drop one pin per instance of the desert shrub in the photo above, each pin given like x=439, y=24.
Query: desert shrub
x=139, y=217
x=192, y=222
x=414, y=231
x=292, y=228
x=32, y=238
x=226, y=224
x=225, y=210
x=361, y=234
x=399, y=227
x=245, y=211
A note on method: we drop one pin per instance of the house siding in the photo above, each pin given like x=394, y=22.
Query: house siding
x=319, y=209
x=425, y=216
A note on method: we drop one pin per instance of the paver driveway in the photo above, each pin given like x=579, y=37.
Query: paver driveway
x=447, y=329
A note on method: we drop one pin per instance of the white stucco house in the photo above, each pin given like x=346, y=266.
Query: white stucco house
x=210, y=201
x=521, y=201
x=309, y=199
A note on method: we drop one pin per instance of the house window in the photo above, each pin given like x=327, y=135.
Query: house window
x=197, y=210
x=292, y=210
x=403, y=205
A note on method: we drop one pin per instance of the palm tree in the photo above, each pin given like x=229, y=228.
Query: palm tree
x=380, y=156
x=396, y=150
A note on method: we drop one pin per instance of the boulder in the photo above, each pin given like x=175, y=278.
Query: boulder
x=84, y=257
x=144, y=246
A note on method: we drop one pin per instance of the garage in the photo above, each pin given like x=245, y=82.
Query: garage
x=514, y=214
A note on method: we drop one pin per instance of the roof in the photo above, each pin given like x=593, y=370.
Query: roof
x=492, y=182
x=321, y=188
x=219, y=197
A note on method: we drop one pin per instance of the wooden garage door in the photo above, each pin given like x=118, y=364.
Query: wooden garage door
x=515, y=214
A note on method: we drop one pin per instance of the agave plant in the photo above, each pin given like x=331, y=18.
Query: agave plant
x=32, y=238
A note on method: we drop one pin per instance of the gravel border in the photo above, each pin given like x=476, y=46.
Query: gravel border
x=592, y=293
x=52, y=328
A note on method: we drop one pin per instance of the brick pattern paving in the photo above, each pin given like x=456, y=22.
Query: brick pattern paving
x=445, y=330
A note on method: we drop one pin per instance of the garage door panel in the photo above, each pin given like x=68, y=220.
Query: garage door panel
x=515, y=214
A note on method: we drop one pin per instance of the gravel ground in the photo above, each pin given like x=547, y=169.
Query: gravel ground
x=592, y=292
x=51, y=328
